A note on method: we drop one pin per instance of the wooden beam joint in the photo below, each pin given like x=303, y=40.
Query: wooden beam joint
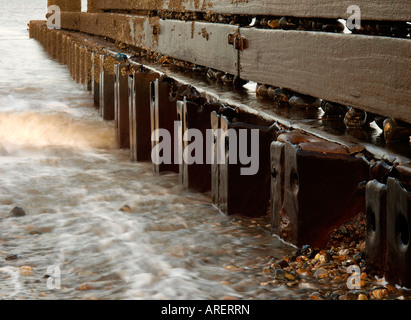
x=238, y=41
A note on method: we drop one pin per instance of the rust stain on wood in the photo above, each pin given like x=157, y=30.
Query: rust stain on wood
x=205, y=34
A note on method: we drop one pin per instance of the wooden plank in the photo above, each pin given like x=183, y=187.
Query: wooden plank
x=197, y=42
x=200, y=43
x=138, y=31
x=66, y=5
x=93, y=6
x=370, y=9
x=370, y=73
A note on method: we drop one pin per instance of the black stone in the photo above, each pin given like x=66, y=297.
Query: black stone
x=17, y=212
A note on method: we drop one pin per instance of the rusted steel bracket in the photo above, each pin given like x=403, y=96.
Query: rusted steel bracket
x=238, y=41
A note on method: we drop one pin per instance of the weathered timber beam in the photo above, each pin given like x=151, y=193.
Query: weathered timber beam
x=137, y=31
x=200, y=43
x=66, y=5
x=369, y=73
x=395, y=10
x=364, y=72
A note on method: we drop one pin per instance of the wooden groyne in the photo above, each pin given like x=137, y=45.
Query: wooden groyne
x=144, y=61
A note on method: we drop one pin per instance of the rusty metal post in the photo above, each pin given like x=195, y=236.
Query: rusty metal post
x=215, y=120
x=52, y=43
x=64, y=49
x=121, y=105
x=59, y=45
x=197, y=176
x=95, y=79
x=398, y=233
x=247, y=195
x=82, y=65
x=277, y=184
x=88, y=66
x=131, y=117
x=376, y=234
x=107, y=87
x=163, y=114
x=69, y=58
x=181, y=106
x=140, y=81
x=77, y=63
x=320, y=189
x=73, y=59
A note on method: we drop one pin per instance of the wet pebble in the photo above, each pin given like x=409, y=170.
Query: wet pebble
x=304, y=101
x=333, y=109
x=362, y=296
x=26, y=270
x=359, y=257
x=261, y=90
x=316, y=296
x=321, y=273
x=355, y=118
x=125, y=208
x=85, y=287
x=281, y=264
x=307, y=251
x=284, y=275
x=13, y=256
x=379, y=294
x=17, y=212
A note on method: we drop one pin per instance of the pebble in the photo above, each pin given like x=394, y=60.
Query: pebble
x=281, y=274
x=261, y=90
x=16, y=212
x=358, y=257
x=302, y=101
x=234, y=268
x=35, y=232
x=390, y=288
x=380, y=293
x=344, y=252
x=281, y=264
x=125, y=208
x=308, y=251
x=362, y=296
x=12, y=257
x=315, y=297
x=26, y=270
x=321, y=273
x=85, y=287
